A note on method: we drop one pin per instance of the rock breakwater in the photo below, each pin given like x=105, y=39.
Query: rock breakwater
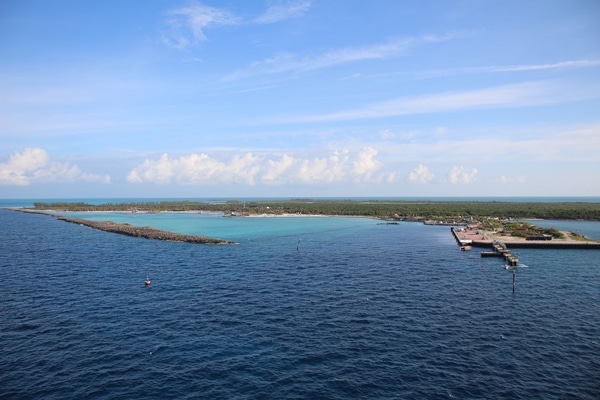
x=143, y=232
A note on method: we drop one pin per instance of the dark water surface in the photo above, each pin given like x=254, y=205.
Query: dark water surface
x=359, y=311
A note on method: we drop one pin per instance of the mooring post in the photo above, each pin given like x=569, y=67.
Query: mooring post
x=514, y=279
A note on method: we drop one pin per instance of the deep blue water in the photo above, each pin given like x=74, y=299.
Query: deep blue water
x=359, y=311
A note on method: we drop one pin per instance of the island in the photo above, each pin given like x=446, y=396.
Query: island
x=447, y=211
x=480, y=223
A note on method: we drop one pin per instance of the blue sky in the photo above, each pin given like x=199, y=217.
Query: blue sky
x=299, y=98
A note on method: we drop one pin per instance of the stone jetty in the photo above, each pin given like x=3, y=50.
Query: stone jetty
x=143, y=232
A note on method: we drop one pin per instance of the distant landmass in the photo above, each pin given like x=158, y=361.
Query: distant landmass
x=415, y=210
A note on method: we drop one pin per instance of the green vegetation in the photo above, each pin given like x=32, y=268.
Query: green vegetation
x=578, y=236
x=519, y=229
x=445, y=211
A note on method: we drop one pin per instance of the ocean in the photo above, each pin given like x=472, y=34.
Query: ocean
x=300, y=307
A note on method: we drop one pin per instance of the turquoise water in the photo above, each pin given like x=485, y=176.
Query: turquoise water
x=233, y=228
x=590, y=229
x=248, y=228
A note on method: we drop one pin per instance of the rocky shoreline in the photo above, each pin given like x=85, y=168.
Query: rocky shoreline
x=145, y=232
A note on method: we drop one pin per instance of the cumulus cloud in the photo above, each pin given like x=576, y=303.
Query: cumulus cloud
x=196, y=169
x=421, y=175
x=289, y=169
x=249, y=169
x=34, y=165
x=275, y=169
x=21, y=166
x=365, y=165
x=459, y=174
x=320, y=170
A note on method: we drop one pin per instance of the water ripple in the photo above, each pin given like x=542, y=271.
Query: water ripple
x=362, y=311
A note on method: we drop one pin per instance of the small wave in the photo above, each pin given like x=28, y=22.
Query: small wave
x=26, y=327
x=374, y=313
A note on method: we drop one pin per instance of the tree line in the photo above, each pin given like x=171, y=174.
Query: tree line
x=401, y=209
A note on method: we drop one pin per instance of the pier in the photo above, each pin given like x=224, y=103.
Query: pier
x=473, y=236
x=500, y=250
x=461, y=238
x=467, y=235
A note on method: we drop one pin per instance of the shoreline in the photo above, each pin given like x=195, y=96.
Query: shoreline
x=469, y=235
x=433, y=222
x=145, y=232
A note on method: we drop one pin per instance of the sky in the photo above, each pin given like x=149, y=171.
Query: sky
x=299, y=98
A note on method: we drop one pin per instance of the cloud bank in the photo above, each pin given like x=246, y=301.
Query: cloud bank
x=460, y=175
x=250, y=169
x=34, y=165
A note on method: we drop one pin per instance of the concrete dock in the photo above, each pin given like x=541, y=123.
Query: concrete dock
x=472, y=236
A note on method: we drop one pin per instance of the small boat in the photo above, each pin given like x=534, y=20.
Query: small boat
x=147, y=282
x=465, y=248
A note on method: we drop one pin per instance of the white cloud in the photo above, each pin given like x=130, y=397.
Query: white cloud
x=421, y=175
x=34, y=165
x=288, y=62
x=284, y=11
x=20, y=166
x=538, y=67
x=491, y=69
x=276, y=169
x=365, y=164
x=387, y=134
x=196, y=169
x=459, y=174
x=248, y=169
x=316, y=170
x=513, y=95
x=319, y=170
x=508, y=180
x=186, y=26
x=153, y=171
x=511, y=145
